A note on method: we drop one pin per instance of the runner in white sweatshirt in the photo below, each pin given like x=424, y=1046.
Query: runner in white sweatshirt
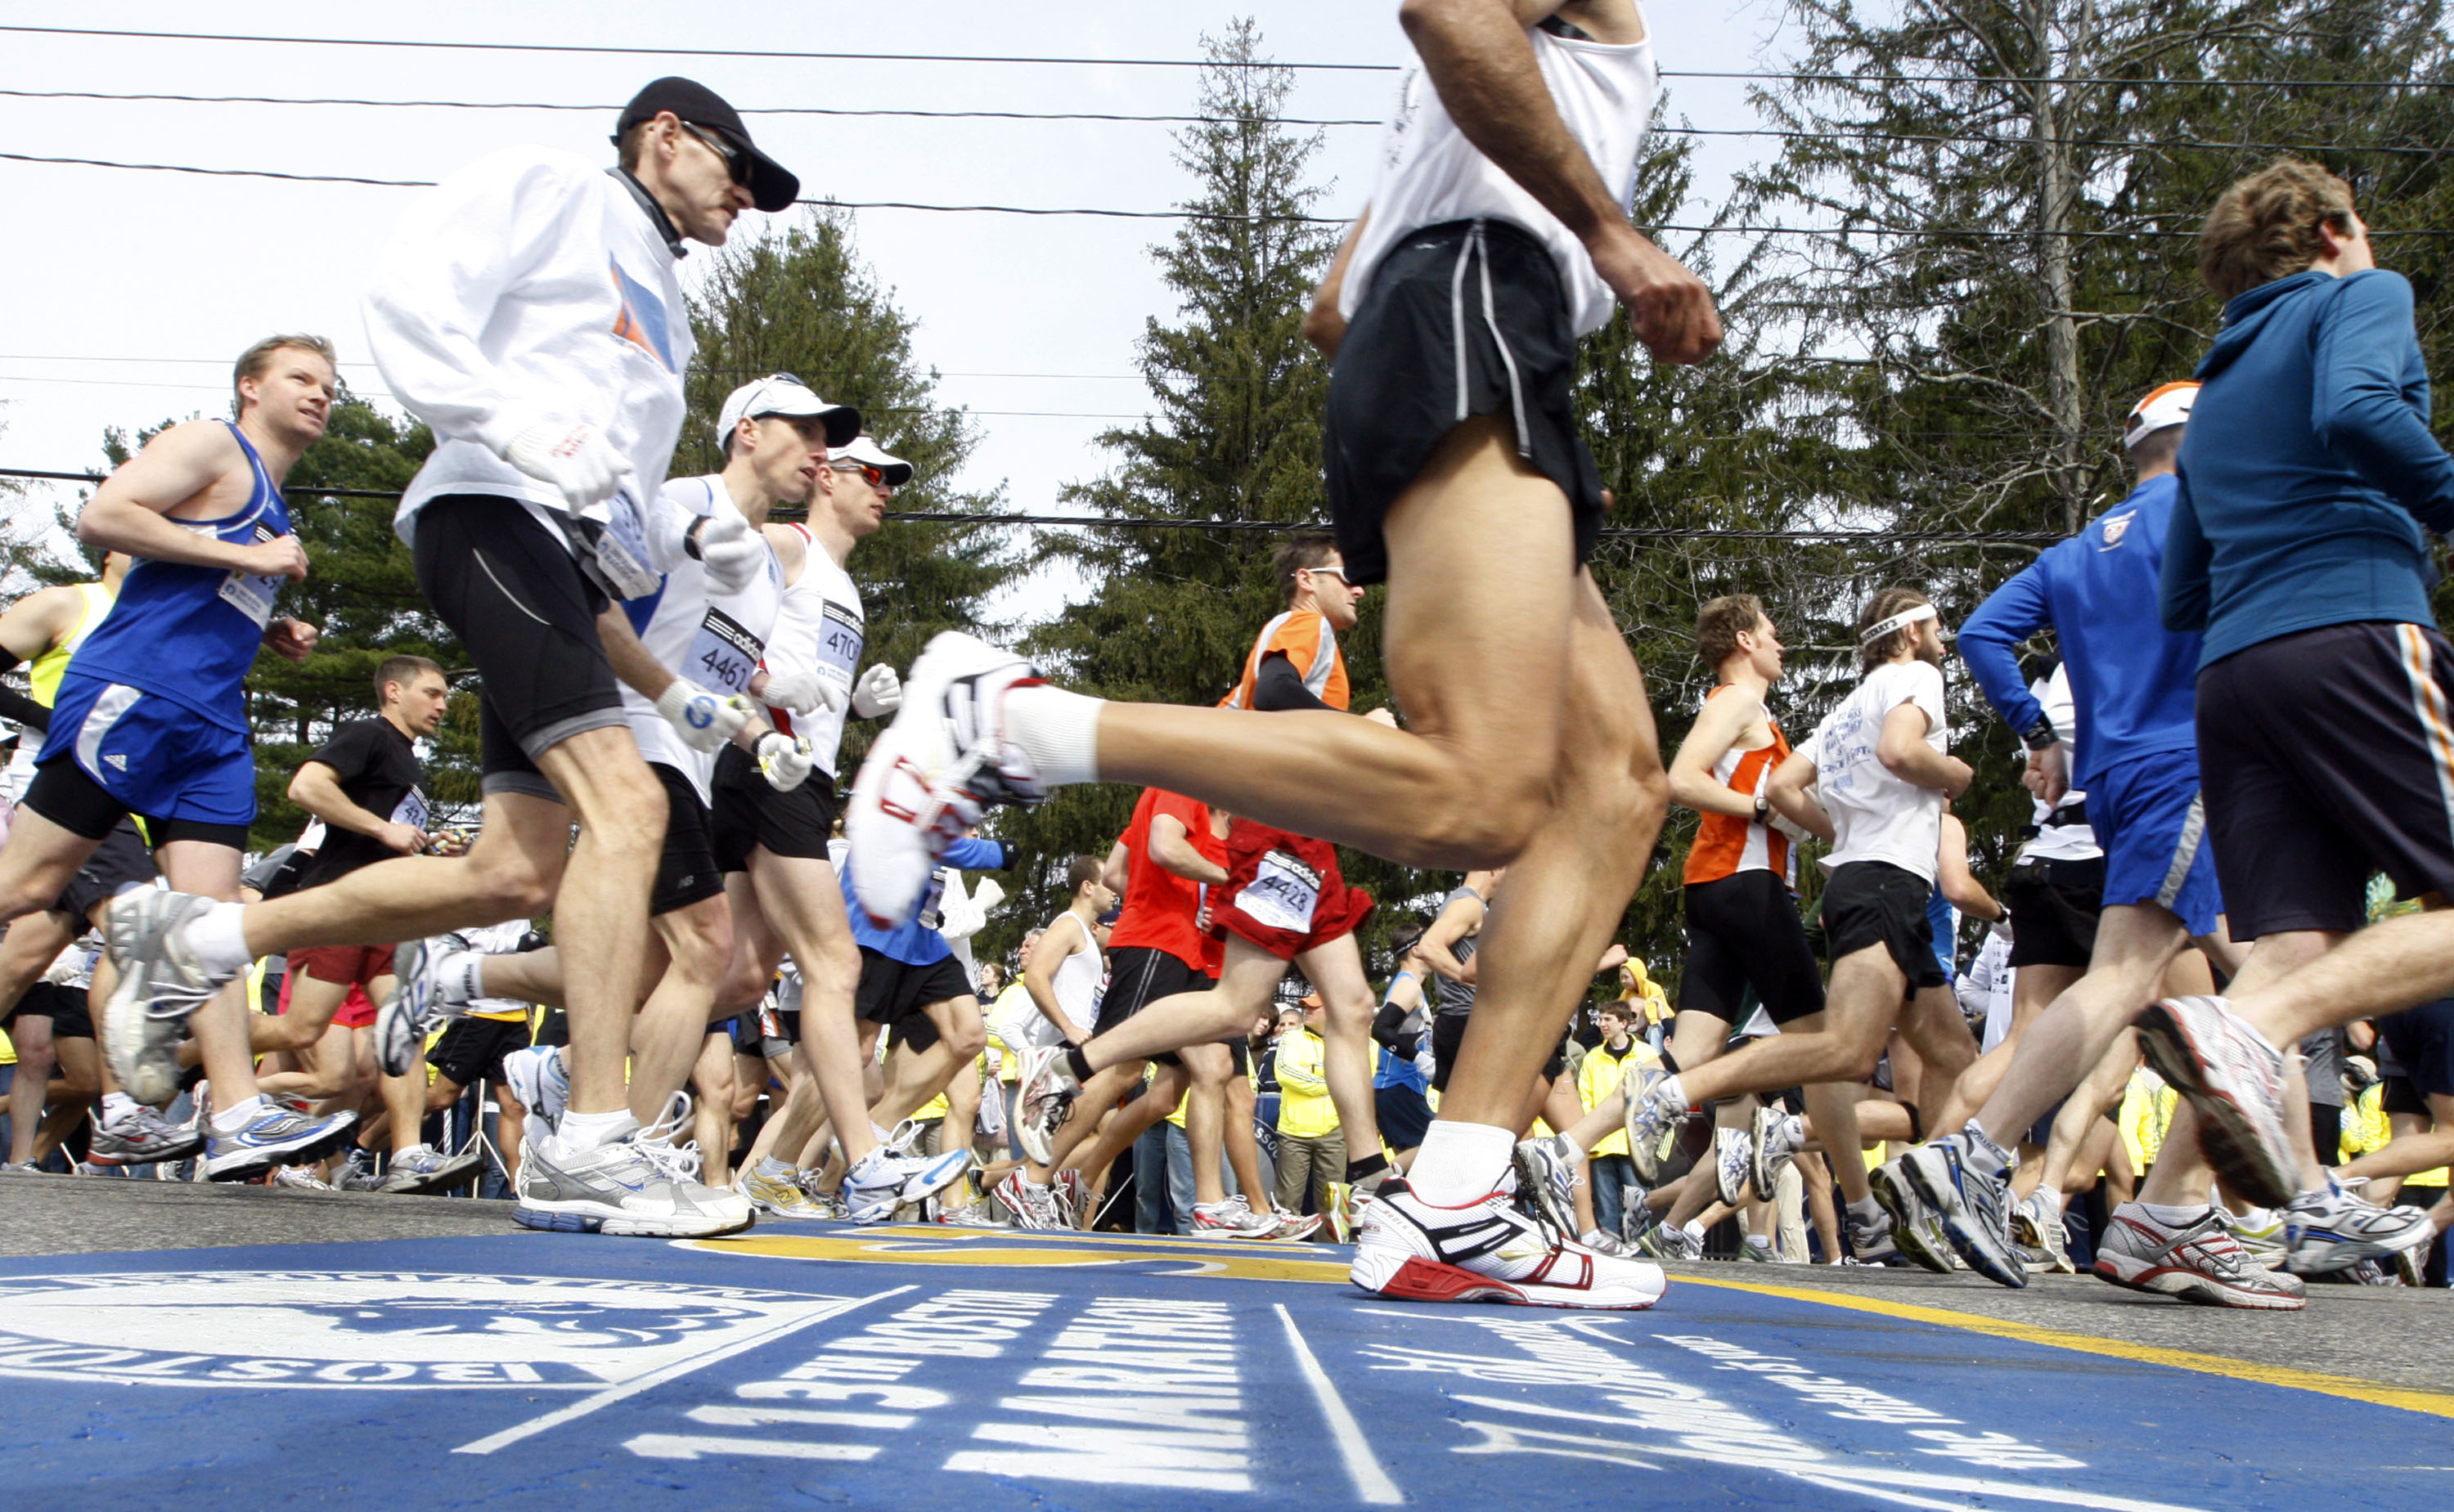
x=529, y=311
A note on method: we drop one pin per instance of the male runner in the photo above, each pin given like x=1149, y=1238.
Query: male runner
x=43, y=630
x=773, y=847
x=2297, y=552
x=530, y=310
x=2137, y=763
x=1881, y=773
x=150, y=719
x=1455, y=473
x=1283, y=902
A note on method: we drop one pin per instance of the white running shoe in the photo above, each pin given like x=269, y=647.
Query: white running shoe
x=932, y=770
x=161, y=981
x=301, y=1177
x=1033, y=1207
x=2235, y=1080
x=1773, y=1148
x=144, y=1138
x=1667, y=1241
x=2333, y=1230
x=1044, y=1090
x=1917, y=1230
x=1546, y=1174
x=1294, y=1225
x=421, y=1168
x=1487, y=1251
x=1973, y=1207
x=618, y=1189
x=2037, y=1224
x=1733, y=1164
x=883, y=1181
x=2201, y=1263
x=421, y=999
x=274, y=1137
x=775, y=1190
x=680, y=1160
x=540, y=1081
x=1232, y=1219
x=1652, y=1126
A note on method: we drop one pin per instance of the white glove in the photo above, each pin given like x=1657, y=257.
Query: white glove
x=732, y=551
x=987, y=895
x=705, y=720
x=1999, y=928
x=1798, y=833
x=785, y=760
x=801, y=692
x=879, y=691
x=961, y=921
x=574, y=458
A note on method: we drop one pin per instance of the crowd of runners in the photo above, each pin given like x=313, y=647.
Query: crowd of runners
x=667, y=669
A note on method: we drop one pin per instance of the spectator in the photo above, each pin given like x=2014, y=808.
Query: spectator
x=1312, y=1148
x=1608, y=1168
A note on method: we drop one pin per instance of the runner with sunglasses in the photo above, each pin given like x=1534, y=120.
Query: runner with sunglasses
x=530, y=310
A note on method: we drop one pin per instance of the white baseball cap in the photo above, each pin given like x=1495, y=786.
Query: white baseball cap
x=865, y=449
x=2168, y=404
x=783, y=395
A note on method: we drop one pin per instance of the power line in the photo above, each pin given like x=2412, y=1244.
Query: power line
x=765, y=53
x=2028, y=538
x=1961, y=232
x=1775, y=133
x=377, y=393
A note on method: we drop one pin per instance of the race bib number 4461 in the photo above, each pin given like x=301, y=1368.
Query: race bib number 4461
x=725, y=655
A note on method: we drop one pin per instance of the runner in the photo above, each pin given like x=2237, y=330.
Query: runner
x=785, y=895
x=149, y=720
x=1455, y=473
x=2297, y=553
x=531, y=311
x=1881, y=769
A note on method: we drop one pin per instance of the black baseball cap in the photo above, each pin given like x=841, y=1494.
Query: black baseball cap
x=772, y=187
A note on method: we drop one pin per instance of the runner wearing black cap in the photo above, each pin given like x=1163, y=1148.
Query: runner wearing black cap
x=530, y=310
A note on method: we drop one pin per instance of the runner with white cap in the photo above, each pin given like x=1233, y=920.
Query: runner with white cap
x=530, y=310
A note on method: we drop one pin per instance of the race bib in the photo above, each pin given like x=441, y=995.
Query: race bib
x=411, y=810
x=725, y=655
x=253, y=596
x=1282, y=895
x=842, y=636
x=621, y=549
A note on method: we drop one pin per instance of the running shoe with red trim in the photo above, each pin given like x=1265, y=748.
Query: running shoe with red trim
x=1044, y=1091
x=2235, y=1080
x=943, y=760
x=2201, y=1263
x=1487, y=1251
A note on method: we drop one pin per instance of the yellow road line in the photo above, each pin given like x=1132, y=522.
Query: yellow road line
x=2376, y=1392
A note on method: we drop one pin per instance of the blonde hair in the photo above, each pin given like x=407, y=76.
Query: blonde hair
x=2266, y=227
x=257, y=359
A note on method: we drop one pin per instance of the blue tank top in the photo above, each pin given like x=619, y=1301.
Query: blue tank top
x=189, y=633
x=1945, y=919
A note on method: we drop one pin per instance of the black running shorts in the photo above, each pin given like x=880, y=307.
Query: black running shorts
x=471, y=1051
x=68, y=1009
x=1874, y=903
x=2328, y=755
x=2422, y=1040
x=1403, y=1115
x=898, y=994
x=2054, y=909
x=66, y=795
x=686, y=873
x=1140, y=976
x=1448, y=1034
x=1461, y=319
x=749, y=813
x=121, y=861
x=512, y=591
x=1743, y=930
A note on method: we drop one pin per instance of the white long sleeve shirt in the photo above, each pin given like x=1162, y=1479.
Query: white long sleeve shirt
x=531, y=286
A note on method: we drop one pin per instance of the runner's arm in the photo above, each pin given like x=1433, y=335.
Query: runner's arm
x=1323, y=325
x=1717, y=729
x=1118, y=870
x=1040, y=975
x=1278, y=686
x=130, y=511
x=1455, y=924
x=318, y=789
x=1905, y=753
x=1788, y=791
x=2010, y=614
x=790, y=550
x=2181, y=591
x=1173, y=850
x=1955, y=880
x=649, y=678
x=31, y=627
x=2360, y=408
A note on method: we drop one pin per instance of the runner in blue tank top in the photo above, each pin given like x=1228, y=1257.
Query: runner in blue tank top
x=151, y=719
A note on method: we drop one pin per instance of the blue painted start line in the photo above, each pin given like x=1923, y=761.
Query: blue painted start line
x=988, y=1370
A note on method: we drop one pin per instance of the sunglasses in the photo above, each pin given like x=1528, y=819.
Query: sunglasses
x=736, y=163
x=874, y=476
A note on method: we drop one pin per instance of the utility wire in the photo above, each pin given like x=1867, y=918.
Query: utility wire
x=1172, y=523
x=1973, y=138
x=1753, y=74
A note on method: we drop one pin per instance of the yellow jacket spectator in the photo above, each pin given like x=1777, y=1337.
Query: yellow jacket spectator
x=2146, y=1113
x=1599, y=1073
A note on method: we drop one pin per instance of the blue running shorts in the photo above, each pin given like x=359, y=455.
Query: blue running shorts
x=2147, y=816
x=158, y=758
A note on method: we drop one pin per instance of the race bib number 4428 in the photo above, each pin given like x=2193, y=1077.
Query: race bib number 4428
x=1282, y=895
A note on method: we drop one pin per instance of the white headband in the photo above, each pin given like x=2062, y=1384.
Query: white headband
x=1897, y=622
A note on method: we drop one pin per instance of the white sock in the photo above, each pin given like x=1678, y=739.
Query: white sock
x=1673, y=1096
x=231, y=1119
x=1792, y=1131
x=2173, y=1217
x=770, y=1165
x=117, y=1106
x=1759, y=1241
x=581, y=1132
x=466, y=981
x=1989, y=1157
x=1866, y=1208
x=1694, y=1228
x=218, y=939
x=1058, y=732
x=1461, y=1162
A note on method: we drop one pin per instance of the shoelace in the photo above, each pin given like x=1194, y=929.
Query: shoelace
x=675, y=1162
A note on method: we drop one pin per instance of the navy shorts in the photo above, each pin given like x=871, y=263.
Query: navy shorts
x=155, y=757
x=2147, y=815
x=2423, y=1040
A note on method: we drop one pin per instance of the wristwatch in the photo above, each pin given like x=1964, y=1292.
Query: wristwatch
x=1763, y=810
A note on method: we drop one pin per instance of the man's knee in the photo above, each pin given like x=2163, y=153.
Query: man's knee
x=510, y=883
x=1485, y=823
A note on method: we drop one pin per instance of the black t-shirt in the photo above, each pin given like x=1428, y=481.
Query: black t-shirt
x=378, y=771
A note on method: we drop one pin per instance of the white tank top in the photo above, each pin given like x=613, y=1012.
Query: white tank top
x=820, y=625
x=1077, y=981
x=1429, y=173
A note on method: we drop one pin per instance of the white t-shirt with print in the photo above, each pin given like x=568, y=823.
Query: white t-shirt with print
x=1877, y=816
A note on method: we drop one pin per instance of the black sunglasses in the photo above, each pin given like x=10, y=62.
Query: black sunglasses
x=736, y=162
